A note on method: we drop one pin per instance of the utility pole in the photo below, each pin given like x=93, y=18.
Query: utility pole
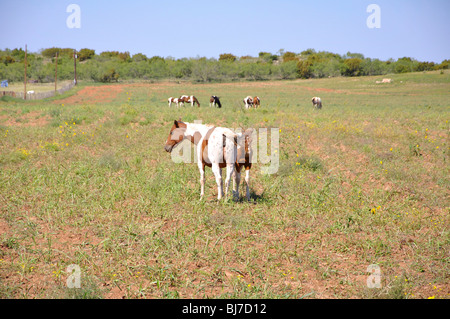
x=56, y=70
x=25, y=82
x=75, y=65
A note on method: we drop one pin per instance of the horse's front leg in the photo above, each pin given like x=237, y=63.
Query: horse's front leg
x=218, y=174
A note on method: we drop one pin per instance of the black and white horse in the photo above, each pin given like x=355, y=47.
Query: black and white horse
x=213, y=100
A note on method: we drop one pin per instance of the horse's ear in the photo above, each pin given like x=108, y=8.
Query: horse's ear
x=176, y=123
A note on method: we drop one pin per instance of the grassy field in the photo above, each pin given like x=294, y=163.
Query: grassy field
x=85, y=180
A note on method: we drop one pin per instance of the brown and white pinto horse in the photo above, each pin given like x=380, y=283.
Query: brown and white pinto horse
x=317, y=102
x=189, y=99
x=217, y=147
x=248, y=101
x=256, y=102
x=173, y=100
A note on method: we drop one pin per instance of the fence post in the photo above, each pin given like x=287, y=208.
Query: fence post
x=25, y=83
x=75, y=65
x=56, y=70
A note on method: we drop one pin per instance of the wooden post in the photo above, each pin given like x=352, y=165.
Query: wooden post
x=25, y=82
x=56, y=71
x=75, y=65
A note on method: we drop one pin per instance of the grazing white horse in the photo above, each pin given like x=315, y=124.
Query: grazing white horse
x=317, y=102
x=248, y=101
x=217, y=147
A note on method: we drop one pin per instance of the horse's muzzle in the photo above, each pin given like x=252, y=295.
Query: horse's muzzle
x=168, y=148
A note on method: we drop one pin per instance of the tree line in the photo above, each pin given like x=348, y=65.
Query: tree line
x=110, y=66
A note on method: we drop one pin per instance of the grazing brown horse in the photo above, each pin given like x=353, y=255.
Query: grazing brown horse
x=217, y=147
x=256, y=102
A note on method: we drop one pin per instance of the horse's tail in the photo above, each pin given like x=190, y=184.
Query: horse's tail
x=248, y=139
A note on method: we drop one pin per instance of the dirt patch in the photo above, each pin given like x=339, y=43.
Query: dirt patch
x=92, y=95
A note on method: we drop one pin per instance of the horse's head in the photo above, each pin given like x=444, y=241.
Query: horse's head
x=176, y=135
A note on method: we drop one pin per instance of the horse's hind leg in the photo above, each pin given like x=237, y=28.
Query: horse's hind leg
x=202, y=180
x=247, y=183
x=237, y=181
x=218, y=174
x=230, y=170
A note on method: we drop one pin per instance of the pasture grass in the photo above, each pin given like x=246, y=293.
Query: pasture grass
x=363, y=181
x=36, y=87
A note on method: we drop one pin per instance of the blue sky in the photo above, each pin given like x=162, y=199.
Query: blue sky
x=414, y=28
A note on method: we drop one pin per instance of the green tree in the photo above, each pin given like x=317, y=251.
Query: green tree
x=288, y=70
x=138, y=57
x=7, y=59
x=267, y=57
x=110, y=75
x=444, y=64
x=18, y=54
x=404, y=65
x=227, y=57
x=350, y=55
x=204, y=70
x=304, y=69
x=351, y=67
x=256, y=71
x=85, y=54
x=425, y=66
x=51, y=52
x=124, y=56
x=289, y=56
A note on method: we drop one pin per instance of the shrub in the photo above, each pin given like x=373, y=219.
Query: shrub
x=85, y=54
x=109, y=76
x=7, y=60
x=289, y=56
x=267, y=57
x=288, y=70
x=351, y=67
x=227, y=57
x=304, y=69
x=444, y=64
x=51, y=52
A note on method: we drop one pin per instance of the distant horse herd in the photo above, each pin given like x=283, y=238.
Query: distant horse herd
x=214, y=101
